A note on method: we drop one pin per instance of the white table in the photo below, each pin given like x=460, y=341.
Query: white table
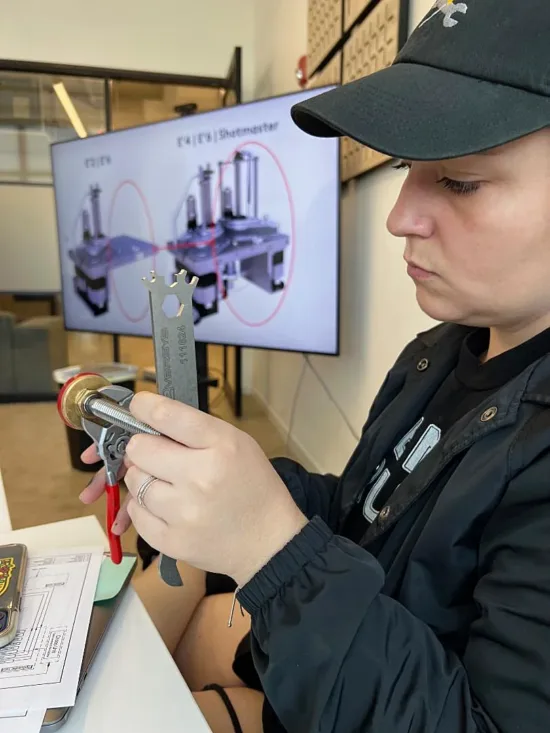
x=133, y=685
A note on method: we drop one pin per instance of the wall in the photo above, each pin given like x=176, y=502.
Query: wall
x=28, y=243
x=379, y=311
x=193, y=37
x=280, y=33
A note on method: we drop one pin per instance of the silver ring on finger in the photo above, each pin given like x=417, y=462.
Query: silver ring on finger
x=143, y=489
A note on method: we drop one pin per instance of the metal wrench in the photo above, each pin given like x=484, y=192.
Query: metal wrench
x=175, y=359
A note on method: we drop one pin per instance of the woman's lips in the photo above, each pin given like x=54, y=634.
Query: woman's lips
x=418, y=273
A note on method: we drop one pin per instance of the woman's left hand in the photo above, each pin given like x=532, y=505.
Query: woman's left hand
x=218, y=503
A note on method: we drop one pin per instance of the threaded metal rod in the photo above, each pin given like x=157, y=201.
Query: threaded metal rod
x=116, y=415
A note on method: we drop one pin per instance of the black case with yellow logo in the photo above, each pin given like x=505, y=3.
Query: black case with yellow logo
x=13, y=564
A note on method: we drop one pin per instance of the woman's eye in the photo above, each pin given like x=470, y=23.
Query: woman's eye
x=460, y=187
x=400, y=165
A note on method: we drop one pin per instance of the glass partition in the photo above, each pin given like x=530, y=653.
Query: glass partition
x=39, y=109
x=138, y=103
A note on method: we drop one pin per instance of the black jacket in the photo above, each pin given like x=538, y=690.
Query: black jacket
x=450, y=631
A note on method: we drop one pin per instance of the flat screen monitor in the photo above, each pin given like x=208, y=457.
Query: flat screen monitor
x=239, y=197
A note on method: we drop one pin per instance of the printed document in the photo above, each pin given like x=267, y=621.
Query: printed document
x=40, y=669
x=29, y=721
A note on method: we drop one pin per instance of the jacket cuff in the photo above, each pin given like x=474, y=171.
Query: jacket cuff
x=285, y=565
x=293, y=484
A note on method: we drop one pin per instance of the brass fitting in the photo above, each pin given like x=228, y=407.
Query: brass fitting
x=73, y=395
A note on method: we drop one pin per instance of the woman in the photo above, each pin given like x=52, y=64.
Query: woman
x=413, y=592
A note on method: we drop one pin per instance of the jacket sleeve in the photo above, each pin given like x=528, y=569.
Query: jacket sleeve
x=312, y=492
x=336, y=655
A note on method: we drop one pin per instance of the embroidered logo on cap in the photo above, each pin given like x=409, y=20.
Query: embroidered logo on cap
x=448, y=8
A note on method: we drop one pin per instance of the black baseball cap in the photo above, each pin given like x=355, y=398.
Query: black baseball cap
x=473, y=75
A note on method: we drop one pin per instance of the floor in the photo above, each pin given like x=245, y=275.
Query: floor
x=41, y=486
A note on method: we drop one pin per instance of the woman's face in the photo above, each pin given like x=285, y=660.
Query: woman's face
x=478, y=234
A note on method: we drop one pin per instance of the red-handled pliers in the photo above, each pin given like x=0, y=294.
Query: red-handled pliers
x=111, y=442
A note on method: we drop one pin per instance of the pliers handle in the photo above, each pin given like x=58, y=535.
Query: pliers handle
x=113, y=506
x=111, y=442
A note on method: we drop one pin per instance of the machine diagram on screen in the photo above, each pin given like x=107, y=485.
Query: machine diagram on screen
x=98, y=254
x=221, y=249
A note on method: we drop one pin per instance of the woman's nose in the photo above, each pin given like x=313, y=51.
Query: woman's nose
x=409, y=217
